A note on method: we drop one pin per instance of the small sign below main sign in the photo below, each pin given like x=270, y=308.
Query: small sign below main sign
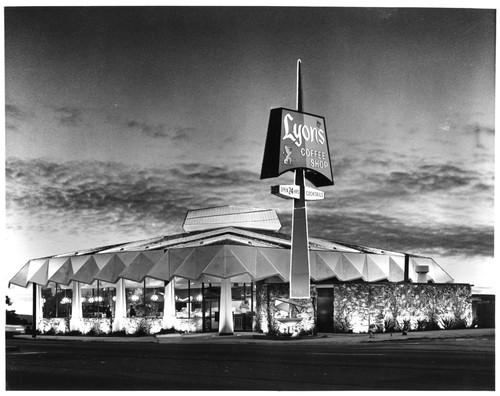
x=314, y=195
x=287, y=191
x=291, y=191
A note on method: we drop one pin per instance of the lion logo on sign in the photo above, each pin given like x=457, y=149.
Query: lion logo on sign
x=288, y=155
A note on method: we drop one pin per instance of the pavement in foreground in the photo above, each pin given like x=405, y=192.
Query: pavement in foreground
x=437, y=360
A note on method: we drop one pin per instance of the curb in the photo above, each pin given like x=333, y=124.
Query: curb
x=11, y=348
x=146, y=339
x=322, y=338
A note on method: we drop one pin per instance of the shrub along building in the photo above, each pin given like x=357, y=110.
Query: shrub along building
x=229, y=272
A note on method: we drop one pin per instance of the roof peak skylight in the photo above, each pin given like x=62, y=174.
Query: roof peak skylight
x=231, y=216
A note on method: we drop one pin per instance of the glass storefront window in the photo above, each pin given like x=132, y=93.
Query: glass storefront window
x=193, y=300
x=97, y=299
x=56, y=301
x=155, y=290
x=188, y=299
x=145, y=298
x=134, y=294
x=196, y=300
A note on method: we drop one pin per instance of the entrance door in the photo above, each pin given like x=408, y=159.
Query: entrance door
x=325, y=310
x=242, y=306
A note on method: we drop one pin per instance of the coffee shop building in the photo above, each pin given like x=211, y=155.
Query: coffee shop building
x=228, y=272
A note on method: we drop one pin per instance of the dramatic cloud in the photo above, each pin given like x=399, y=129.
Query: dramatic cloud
x=375, y=176
x=154, y=131
x=15, y=114
x=479, y=131
x=103, y=197
x=176, y=133
x=390, y=233
x=426, y=178
x=69, y=116
x=183, y=134
x=407, y=203
x=114, y=195
x=10, y=126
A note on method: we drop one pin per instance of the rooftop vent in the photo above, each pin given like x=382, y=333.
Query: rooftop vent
x=231, y=216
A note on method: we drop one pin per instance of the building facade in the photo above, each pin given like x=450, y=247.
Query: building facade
x=229, y=272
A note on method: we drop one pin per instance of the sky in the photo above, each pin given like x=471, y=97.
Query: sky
x=120, y=119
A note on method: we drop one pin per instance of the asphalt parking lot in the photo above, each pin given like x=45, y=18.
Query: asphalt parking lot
x=461, y=360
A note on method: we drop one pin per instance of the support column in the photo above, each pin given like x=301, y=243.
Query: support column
x=226, y=326
x=75, y=322
x=39, y=303
x=299, y=260
x=57, y=303
x=169, y=305
x=406, y=277
x=37, y=307
x=120, y=306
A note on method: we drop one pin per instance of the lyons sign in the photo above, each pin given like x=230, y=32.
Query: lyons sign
x=297, y=141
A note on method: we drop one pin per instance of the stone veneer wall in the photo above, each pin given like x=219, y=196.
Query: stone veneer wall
x=409, y=306
x=387, y=306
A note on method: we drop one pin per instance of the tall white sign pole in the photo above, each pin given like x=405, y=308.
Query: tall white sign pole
x=297, y=141
x=299, y=258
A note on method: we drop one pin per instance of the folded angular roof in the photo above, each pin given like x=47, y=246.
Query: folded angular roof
x=224, y=252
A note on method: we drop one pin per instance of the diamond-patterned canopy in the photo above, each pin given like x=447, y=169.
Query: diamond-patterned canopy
x=261, y=257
